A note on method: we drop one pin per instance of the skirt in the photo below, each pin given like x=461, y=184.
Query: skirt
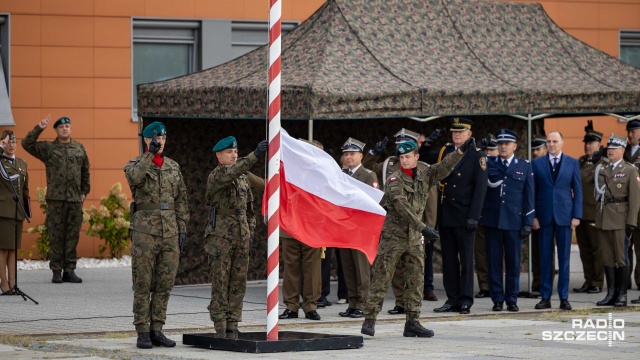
x=7, y=233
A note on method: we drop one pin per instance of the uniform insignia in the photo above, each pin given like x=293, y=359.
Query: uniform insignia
x=135, y=159
x=375, y=184
x=401, y=150
x=619, y=186
x=390, y=163
x=483, y=163
x=519, y=173
x=619, y=176
x=638, y=178
x=393, y=179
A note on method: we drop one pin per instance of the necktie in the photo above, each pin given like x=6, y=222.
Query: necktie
x=347, y=171
x=555, y=163
x=505, y=163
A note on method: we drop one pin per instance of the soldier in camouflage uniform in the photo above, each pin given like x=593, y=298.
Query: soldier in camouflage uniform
x=67, y=167
x=159, y=220
x=405, y=199
x=231, y=224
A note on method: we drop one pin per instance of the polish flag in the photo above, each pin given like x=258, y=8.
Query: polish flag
x=323, y=207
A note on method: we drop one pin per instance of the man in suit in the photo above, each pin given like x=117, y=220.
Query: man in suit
x=507, y=216
x=632, y=155
x=558, y=212
x=355, y=265
x=461, y=196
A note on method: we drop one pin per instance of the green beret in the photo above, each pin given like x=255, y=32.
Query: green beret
x=156, y=126
x=227, y=143
x=406, y=147
x=62, y=120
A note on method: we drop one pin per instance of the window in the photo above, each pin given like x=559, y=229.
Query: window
x=163, y=49
x=249, y=35
x=6, y=117
x=630, y=47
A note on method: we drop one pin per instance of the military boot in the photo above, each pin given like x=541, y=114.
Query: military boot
x=158, y=339
x=623, y=274
x=220, y=326
x=71, y=277
x=413, y=328
x=143, y=341
x=610, y=276
x=57, y=277
x=368, y=327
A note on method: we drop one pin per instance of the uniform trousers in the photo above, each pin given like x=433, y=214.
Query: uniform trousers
x=480, y=257
x=503, y=246
x=614, y=244
x=457, y=264
x=357, y=275
x=301, y=262
x=63, y=222
x=397, y=283
x=590, y=254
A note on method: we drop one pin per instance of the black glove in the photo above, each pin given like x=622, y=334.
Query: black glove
x=181, y=238
x=472, y=224
x=154, y=145
x=262, y=148
x=430, y=234
x=525, y=232
x=628, y=230
x=589, y=126
x=470, y=144
x=483, y=144
x=380, y=145
x=435, y=135
x=597, y=155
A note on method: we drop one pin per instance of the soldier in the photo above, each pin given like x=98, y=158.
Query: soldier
x=159, y=217
x=632, y=155
x=618, y=195
x=355, y=265
x=231, y=224
x=403, y=235
x=68, y=184
x=507, y=215
x=461, y=197
x=586, y=233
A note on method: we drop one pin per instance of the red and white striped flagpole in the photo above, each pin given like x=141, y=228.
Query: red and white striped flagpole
x=273, y=182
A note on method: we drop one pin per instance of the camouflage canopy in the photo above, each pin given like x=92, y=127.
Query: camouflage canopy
x=398, y=58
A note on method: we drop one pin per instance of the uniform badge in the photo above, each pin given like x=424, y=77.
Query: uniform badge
x=638, y=178
x=393, y=179
x=375, y=184
x=619, y=176
x=134, y=159
x=619, y=186
x=483, y=163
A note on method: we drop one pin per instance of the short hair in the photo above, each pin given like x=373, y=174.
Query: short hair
x=557, y=132
x=318, y=144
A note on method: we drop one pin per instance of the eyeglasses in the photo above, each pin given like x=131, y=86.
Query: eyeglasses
x=13, y=142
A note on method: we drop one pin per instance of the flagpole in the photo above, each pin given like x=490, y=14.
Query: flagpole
x=273, y=181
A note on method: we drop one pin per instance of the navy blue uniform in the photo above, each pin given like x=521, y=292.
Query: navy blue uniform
x=508, y=206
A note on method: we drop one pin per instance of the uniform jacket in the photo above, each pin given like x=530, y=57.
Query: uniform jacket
x=554, y=201
x=634, y=160
x=509, y=205
x=366, y=176
x=587, y=174
x=67, y=166
x=7, y=205
x=621, y=182
x=153, y=185
x=462, y=192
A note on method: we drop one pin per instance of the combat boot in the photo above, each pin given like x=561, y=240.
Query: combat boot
x=413, y=328
x=57, y=277
x=623, y=273
x=368, y=327
x=143, y=341
x=220, y=326
x=610, y=276
x=232, y=327
x=158, y=339
x=71, y=277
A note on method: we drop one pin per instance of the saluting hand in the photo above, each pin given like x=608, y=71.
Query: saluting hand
x=44, y=122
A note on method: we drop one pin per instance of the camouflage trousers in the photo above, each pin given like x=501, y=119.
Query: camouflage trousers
x=154, y=264
x=390, y=253
x=63, y=223
x=229, y=262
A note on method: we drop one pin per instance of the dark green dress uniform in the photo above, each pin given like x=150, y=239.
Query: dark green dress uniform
x=632, y=155
x=301, y=268
x=67, y=168
x=227, y=236
x=8, y=217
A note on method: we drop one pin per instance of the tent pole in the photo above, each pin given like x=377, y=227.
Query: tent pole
x=530, y=272
x=310, y=130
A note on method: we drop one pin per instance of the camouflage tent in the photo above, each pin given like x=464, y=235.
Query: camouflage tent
x=398, y=58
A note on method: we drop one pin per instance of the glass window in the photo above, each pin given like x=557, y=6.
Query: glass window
x=6, y=116
x=630, y=47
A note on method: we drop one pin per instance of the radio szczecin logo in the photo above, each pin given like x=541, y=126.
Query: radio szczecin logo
x=608, y=330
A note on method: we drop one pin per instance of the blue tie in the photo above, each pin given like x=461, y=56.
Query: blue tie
x=505, y=163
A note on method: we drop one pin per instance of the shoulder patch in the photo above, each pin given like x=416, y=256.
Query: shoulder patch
x=393, y=179
x=483, y=163
x=375, y=183
x=135, y=159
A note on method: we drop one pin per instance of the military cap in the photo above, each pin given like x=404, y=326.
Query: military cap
x=406, y=147
x=616, y=142
x=506, y=135
x=227, y=143
x=405, y=135
x=460, y=124
x=592, y=135
x=353, y=145
x=492, y=144
x=633, y=124
x=156, y=126
x=62, y=120
x=538, y=142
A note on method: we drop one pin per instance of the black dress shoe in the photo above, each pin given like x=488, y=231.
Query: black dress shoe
x=158, y=339
x=465, y=309
x=543, y=304
x=594, y=290
x=357, y=313
x=447, y=308
x=322, y=302
x=346, y=313
x=565, y=305
x=482, y=294
x=312, y=315
x=396, y=310
x=582, y=289
x=497, y=306
x=288, y=314
x=512, y=307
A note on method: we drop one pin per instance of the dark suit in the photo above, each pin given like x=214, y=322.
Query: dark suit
x=508, y=207
x=461, y=196
x=555, y=208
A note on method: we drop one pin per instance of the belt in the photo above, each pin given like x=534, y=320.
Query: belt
x=229, y=211
x=616, y=200
x=156, y=206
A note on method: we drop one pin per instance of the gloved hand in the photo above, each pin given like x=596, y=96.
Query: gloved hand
x=629, y=229
x=430, y=234
x=262, y=148
x=597, y=155
x=525, y=232
x=470, y=144
x=483, y=144
x=472, y=225
x=154, y=145
x=380, y=145
x=435, y=135
x=181, y=238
